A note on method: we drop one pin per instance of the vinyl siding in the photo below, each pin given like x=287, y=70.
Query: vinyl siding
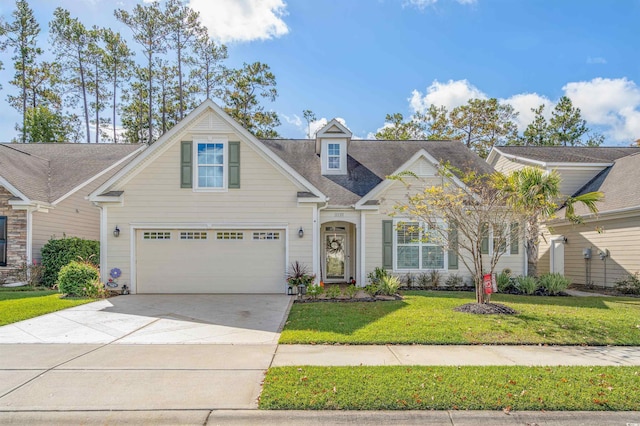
x=506, y=166
x=619, y=236
x=72, y=217
x=153, y=195
x=397, y=194
x=575, y=178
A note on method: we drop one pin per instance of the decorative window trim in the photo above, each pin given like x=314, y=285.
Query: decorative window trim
x=224, y=165
x=156, y=235
x=342, y=154
x=420, y=244
x=229, y=235
x=193, y=235
x=266, y=236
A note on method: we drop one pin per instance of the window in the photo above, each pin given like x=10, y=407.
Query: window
x=333, y=156
x=193, y=235
x=3, y=241
x=417, y=247
x=229, y=235
x=266, y=235
x=156, y=235
x=211, y=165
x=504, y=238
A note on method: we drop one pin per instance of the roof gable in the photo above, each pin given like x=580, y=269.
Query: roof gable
x=549, y=156
x=198, y=122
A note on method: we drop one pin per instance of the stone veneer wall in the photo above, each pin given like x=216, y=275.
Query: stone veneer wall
x=16, y=237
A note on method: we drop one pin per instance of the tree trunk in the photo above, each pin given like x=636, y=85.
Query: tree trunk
x=84, y=98
x=533, y=241
x=150, y=98
x=115, y=83
x=180, y=95
x=97, y=107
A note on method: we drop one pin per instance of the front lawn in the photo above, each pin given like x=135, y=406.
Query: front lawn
x=429, y=318
x=18, y=304
x=458, y=388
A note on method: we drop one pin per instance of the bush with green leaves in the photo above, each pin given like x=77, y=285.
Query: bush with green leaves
x=527, y=285
x=454, y=280
x=629, y=285
x=57, y=253
x=389, y=285
x=503, y=281
x=332, y=291
x=351, y=291
x=378, y=274
x=76, y=277
x=314, y=291
x=554, y=282
x=372, y=290
x=96, y=290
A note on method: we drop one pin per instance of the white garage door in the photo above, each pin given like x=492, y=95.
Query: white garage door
x=210, y=261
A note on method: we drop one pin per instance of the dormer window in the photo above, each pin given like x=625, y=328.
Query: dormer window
x=333, y=156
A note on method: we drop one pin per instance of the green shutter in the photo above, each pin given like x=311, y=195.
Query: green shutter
x=515, y=237
x=186, y=165
x=453, y=247
x=387, y=244
x=234, y=165
x=484, y=245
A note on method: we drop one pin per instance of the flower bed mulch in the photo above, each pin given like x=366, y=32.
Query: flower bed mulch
x=485, y=309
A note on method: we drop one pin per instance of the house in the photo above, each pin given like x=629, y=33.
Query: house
x=605, y=247
x=43, y=190
x=209, y=208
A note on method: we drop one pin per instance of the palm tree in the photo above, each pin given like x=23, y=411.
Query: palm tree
x=536, y=194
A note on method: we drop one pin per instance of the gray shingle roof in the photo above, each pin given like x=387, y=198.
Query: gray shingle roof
x=618, y=183
x=569, y=154
x=368, y=163
x=45, y=172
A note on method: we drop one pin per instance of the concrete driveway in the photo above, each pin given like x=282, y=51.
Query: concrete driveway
x=142, y=352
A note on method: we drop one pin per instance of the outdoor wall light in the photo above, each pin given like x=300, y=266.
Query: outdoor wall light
x=116, y=232
x=301, y=232
x=565, y=239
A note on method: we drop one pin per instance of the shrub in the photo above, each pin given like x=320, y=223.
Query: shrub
x=435, y=277
x=314, y=291
x=351, y=291
x=409, y=280
x=454, y=280
x=31, y=275
x=298, y=274
x=333, y=292
x=554, y=282
x=96, y=290
x=75, y=277
x=377, y=275
x=389, y=285
x=58, y=253
x=503, y=281
x=371, y=290
x=629, y=285
x=423, y=280
x=527, y=285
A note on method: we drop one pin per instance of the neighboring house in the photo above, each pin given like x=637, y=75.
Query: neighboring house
x=209, y=208
x=43, y=190
x=611, y=238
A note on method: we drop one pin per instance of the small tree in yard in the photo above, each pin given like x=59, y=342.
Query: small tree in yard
x=463, y=216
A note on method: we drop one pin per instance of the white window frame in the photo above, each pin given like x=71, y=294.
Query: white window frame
x=331, y=156
x=342, y=170
x=420, y=244
x=225, y=165
x=507, y=230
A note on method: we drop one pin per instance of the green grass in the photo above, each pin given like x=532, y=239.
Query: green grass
x=429, y=318
x=458, y=388
x=20, y=304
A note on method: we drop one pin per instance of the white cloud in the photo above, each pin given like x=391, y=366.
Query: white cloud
x=523, y=103
x=596, y=60
x=295, y=120
x=450, y=94
x=612, y=103
x=242, y=20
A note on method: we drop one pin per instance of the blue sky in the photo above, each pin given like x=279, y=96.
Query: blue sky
x=361, y=59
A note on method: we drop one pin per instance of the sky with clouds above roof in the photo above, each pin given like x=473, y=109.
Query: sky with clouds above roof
x=360, y=60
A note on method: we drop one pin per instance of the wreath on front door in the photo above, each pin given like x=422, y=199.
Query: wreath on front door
x=334, y=246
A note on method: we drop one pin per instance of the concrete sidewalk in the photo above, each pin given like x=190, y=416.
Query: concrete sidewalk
x=332, y=355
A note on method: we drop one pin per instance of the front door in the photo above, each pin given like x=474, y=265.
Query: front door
x=557, y=256
x=335, y=244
